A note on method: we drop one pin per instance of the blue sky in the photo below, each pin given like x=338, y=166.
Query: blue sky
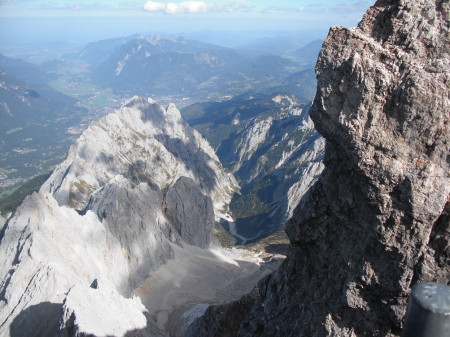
x=95, y=19
x=269, y=8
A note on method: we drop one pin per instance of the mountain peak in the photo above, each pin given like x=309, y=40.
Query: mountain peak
x=136, y=189
x=141, y=141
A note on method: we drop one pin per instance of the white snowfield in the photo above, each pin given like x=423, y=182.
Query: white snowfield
x=135, y=200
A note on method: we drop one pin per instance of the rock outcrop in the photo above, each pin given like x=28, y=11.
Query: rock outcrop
x=377, y=221
x=115, y=210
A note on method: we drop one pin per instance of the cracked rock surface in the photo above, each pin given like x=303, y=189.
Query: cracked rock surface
x=377, y=221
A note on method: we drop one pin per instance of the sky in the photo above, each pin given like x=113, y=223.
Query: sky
x=271, y=8
x=85, y=20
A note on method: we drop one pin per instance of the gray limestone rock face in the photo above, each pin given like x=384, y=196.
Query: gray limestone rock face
x=377, y=221
x=190, y=212
x=101, y=214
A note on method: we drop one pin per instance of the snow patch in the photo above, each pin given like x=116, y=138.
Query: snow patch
x=13, y=130
x=236, y=119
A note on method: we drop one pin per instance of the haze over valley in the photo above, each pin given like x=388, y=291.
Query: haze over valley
x=46, y=107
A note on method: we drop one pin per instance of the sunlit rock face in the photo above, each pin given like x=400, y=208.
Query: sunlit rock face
x=127, y=194
x=377, y=221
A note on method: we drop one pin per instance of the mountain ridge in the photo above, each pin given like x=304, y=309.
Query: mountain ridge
x=105, y=214
x=163, y=65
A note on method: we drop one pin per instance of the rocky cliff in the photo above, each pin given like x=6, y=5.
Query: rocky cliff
x=124, y=202
x=377, y=221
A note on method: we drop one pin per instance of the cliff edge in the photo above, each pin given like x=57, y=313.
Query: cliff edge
x=377, y=221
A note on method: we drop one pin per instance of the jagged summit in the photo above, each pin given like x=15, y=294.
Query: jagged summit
x=144, y=143
x=137, y=189
x=376, y=222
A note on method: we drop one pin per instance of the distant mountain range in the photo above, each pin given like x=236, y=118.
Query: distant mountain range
x=162, y=65
x=95, y=53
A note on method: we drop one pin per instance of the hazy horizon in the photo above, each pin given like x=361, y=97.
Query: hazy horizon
x=71, y=24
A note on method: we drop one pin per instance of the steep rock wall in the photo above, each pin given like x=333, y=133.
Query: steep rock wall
x=377, y=221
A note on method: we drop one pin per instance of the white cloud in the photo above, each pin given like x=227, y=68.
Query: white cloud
x=198, y=7
x=178, y=7
x=2, y=2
